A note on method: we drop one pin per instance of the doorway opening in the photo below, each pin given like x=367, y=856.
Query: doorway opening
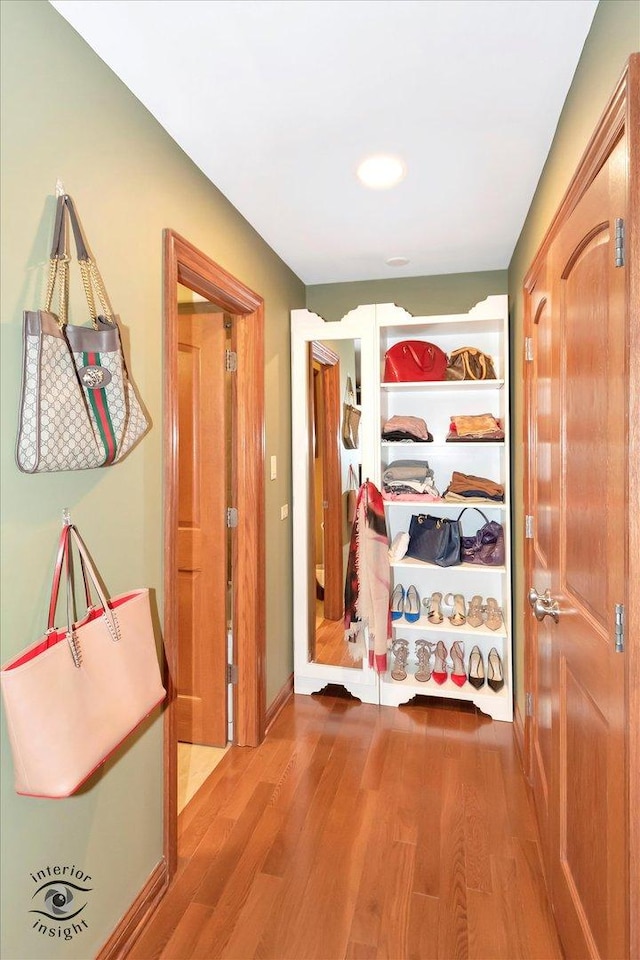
x=214, y=512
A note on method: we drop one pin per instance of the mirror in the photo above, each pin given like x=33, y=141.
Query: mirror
x=335, y=470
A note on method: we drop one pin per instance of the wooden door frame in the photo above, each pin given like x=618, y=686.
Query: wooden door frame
x=185, y=264
x=329, y=363
x=622, y=115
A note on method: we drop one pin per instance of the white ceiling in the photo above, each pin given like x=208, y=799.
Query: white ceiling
x=277, y=101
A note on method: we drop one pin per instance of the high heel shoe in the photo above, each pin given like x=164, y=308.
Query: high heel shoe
x=474, y=617
x=439, y=673
x=458, y=617
x=397, y=602
x=400, y=651
x=458, y=674
x=495, y=675
x=435, y=610
x=494, y=614
x=412, y=605
x=476, y=668
x=424, y=649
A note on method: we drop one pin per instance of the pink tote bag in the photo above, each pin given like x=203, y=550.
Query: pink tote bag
x=76, y=694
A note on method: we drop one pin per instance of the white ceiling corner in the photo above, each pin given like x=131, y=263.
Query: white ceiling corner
x=467, y=92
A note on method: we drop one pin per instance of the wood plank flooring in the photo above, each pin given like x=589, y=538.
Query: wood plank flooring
x=360, y=832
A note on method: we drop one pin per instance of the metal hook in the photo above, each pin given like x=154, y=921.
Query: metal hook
x=66, y=517
x=60, y=190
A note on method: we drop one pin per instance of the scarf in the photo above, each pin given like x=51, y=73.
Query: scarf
x=367, y=615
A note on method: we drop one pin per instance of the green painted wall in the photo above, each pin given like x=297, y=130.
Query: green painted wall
x=65, y=114
x=420, y=296
x=614, y=35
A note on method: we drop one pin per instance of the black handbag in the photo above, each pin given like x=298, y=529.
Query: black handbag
x=486, y=546
x=435, y=540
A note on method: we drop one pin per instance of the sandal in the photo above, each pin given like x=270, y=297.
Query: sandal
x=494, y=614
x=458, y=618
x=439, y=667
x=476, y=668
x=400, y=650
x=424, y=649
x=495, y=677
x=474, y=617
x=435, y=610
x=458, y=674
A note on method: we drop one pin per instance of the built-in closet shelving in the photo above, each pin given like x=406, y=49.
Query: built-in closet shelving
x=486, y=328
x=376, y=328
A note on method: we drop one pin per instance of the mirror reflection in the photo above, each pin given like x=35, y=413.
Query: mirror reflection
x=334, y=408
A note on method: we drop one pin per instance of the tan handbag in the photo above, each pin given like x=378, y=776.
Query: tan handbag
x=468, y=363
x=350, y=418
x=73, y=696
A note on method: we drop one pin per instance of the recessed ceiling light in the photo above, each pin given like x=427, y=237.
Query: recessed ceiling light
x=397, y=261
x=380, y=171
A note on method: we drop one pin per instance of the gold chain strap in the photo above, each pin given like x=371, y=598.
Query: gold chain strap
x=91, y=278
x=60, y=264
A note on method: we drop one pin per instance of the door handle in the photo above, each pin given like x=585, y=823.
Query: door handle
x=543, y=605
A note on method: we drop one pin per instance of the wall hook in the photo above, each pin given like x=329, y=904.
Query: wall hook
x=60, y=191
x=66, y=517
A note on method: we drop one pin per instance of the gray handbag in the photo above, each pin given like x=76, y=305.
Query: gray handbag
x=78, y=408
x=350, y=418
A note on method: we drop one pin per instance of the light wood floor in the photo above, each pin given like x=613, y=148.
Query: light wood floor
x=357, y=831
x=195, y=764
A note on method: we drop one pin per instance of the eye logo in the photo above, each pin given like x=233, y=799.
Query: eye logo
x=61, y=901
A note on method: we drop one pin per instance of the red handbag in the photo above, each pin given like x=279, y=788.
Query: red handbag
x=414, y=360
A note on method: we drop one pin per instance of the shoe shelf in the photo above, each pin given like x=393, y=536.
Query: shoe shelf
x=423, y=625
x=393, y=693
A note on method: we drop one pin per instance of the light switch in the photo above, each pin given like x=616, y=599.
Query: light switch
x=274, y=468
x=284, y=511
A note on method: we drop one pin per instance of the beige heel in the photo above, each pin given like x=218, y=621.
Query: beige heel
x=458, y=617
x=494, y=614
x=400, y=650
x=435, y=609
x=474, y=618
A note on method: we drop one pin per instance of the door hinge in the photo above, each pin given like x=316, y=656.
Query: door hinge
x=230, y=361
x=528, y=704
x=232, y=516
x=528, y=527
x=232, y=673
x=528, y=348
x=619, y=628
x=619, y=260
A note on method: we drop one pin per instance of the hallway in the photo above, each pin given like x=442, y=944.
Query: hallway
x=358, y=832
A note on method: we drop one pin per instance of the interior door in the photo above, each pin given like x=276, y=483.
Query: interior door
x=202, y=530
x=578, y=453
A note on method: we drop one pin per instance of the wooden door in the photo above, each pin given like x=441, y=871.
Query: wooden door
x=577, y=491
x=202, y=530
x=543, y=430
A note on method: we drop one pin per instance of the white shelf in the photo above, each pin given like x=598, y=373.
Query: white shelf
x=488, y=504
x=409, y=562
x=441, y=445
x=423, y=625
x=455, y=385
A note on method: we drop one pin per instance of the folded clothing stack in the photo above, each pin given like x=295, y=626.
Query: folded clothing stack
x=482, y=426
x=464, y=486
x=406, y=429
x=409, y=480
